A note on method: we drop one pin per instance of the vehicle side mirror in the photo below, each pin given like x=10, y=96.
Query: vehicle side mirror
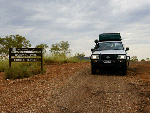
x=96, y=41
x=92, y=49
x=127, y=48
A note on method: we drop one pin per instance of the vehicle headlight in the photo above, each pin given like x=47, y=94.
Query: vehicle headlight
x=121, y=57
x=95, y=57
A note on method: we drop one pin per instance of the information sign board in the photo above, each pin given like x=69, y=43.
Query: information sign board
x=20, y=55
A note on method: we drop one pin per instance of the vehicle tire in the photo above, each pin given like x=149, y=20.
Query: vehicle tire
x=100, y=70
x=124, y=70
x=93, y=69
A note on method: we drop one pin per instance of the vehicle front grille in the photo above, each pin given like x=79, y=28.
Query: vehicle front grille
x=108, y=57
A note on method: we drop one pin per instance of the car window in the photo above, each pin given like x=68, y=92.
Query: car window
x=110, y=46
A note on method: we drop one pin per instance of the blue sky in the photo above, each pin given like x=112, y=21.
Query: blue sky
x=78, y=22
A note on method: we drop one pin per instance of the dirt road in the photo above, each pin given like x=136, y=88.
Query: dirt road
x=70, y=88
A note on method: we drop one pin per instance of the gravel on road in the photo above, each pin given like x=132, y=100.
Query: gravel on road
x=71, y=88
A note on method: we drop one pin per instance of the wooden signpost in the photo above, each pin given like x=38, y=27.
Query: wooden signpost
x=25, y=57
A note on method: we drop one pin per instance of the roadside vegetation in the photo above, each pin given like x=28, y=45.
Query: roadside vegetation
x=147, y=59
x=59, y=53
x=22, y=70
x=135, y=59
x=60, y=59
x=4, y=64
x=26, y=69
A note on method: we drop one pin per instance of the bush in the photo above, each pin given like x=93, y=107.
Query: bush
x=3, y=65
x=16, y=73
x=23, y=70
x=142, y=60
x=35, y=69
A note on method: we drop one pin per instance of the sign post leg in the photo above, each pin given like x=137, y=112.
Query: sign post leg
x=41, y=61
x=9, y=58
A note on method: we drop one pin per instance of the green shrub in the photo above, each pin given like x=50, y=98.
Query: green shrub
x=142, y=60
x=24, y=64
x=23, y=70
x=4, y=64
x=16, y=73
x=35, y=69
x=1, y=66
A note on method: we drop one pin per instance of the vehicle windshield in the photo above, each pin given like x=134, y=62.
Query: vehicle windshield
x=110, y=46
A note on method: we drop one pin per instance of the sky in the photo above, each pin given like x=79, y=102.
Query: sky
x=78, y=22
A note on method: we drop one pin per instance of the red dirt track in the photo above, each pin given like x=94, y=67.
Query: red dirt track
x=70, y=88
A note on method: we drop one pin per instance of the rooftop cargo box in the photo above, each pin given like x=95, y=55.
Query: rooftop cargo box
x=110, y=37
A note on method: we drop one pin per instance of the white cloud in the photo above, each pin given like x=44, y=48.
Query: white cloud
x=139, y=50
x=24, y=31
x=78, y=22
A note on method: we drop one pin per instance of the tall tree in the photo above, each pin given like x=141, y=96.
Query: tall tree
x=43, y=46
x=134, y=58
x=13, y=41
x=61, y=48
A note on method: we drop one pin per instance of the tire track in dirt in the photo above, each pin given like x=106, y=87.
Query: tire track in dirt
x=103, y=93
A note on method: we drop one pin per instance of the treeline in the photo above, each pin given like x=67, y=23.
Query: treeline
x=147, y=59
x=16, y=41
x=134, y=58
x=57, y=51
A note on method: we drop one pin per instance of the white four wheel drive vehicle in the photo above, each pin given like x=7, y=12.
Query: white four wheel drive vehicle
x=109, y=52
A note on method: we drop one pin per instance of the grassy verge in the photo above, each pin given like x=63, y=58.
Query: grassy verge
x=4, y=64
x=27, y=69
x=62, y=59
x=23, y=70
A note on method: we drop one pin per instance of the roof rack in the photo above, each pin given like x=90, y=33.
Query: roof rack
x=109, y=37
x=112, y=33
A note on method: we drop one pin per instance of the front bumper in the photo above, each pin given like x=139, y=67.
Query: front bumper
x=102, y=63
